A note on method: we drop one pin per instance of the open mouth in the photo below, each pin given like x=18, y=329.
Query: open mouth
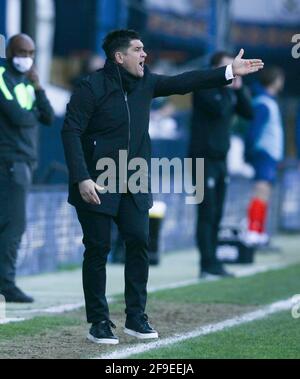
x=142, y=65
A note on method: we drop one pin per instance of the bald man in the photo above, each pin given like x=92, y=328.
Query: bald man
x=23, y=105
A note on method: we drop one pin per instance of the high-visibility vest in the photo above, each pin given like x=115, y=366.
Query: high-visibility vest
x=23, y=93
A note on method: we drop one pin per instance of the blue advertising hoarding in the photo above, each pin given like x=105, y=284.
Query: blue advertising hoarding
x=81, y=25
x=266, y=29
x=3, y=17
x=111, y=14
x=189, y=25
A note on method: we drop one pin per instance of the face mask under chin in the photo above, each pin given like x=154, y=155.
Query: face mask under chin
x=22, y=64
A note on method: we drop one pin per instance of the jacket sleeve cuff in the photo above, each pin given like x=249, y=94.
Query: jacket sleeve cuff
x=229, y=72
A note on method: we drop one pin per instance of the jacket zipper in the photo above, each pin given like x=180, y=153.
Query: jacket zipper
x=129, y=123
x=128, y=112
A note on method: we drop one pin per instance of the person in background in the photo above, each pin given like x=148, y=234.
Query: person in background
x=212, y=117
x=23, y=105
x=265, y=149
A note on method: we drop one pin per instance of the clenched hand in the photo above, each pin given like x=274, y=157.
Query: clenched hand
x=33, y=76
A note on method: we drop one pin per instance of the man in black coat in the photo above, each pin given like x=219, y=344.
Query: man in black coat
x=213, y=112
x=109, y=112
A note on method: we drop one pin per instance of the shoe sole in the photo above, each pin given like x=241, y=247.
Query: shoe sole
x=141, y=336
x=17, y=300
x=106, y=341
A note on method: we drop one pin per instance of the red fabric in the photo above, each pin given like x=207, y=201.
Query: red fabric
x=257, y=215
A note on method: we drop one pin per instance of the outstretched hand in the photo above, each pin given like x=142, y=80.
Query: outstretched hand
x=243, y=67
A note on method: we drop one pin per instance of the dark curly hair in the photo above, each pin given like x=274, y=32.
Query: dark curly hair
x=118, y=40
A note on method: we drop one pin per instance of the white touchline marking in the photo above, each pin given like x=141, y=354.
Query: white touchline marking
x=202, y=331
x=249, y=271
x=173, y=285
x=57, y=309
x=245, y=271
x=11, y=320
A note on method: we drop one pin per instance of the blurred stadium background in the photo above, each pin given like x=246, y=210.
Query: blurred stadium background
x=178, y=35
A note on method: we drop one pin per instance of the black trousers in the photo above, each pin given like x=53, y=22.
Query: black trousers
x=210, y=212
x=14, y=182
x=133, y=225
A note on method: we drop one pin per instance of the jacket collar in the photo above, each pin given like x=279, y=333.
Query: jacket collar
x=111, y=68
x=125, y=80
